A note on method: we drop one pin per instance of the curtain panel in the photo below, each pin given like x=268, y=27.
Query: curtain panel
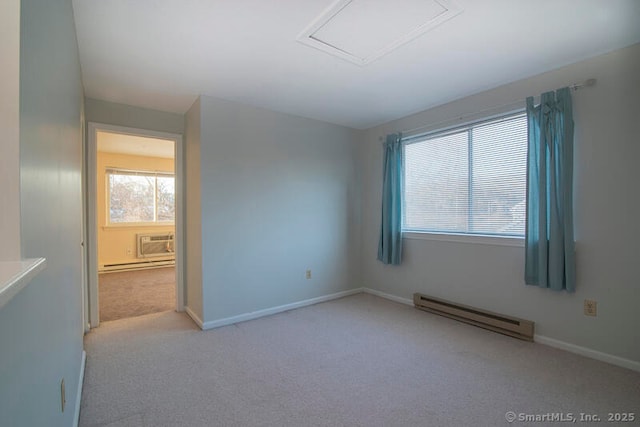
x=390, y=243
x=549, y=240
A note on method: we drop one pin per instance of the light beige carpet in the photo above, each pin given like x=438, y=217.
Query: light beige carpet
x=356, y=361
x=136, y=293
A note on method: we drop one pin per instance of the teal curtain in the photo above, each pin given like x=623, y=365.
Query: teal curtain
x=390, y=244
x=549, y=244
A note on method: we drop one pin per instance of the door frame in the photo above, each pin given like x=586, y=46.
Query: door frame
x=91, y=228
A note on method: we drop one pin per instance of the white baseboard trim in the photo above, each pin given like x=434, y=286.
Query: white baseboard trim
x=384, y=295
x=587, y=352
x=76, y=415
x=194, y=317
x=274, y=310
x=562, y=345
x=572, y=348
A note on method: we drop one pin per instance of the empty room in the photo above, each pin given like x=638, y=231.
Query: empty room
x=135, y=225
x=319, y=213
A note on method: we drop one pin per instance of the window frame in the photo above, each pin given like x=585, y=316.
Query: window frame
x=449, y=236
x=153, y=173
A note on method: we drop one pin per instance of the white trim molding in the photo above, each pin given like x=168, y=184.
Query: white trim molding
x=76, y=415
x=194, y=317
x=405, y=301
x=465, y=238
x=269, y=311
x=587, y=352
x=91, y=226
x=541, y=339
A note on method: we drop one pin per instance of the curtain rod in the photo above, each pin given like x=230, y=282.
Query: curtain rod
x=514, y=104
x=586, y=83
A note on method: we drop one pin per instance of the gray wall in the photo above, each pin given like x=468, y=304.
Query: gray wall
x=41, y=328
x=10, y=125
x=193, y=212
x=607, y=209
x=278, y=196
x=136, y=117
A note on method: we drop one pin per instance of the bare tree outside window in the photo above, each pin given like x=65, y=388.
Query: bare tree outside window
x=140, y=197
x=166, y=196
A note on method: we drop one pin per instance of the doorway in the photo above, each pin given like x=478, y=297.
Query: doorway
x=134, y=222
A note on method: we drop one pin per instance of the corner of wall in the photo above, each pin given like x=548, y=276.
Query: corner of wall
x=193, y=214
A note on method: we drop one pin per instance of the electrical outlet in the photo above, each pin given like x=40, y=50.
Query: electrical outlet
x=590, y=307
x=63, y=396
x=128, y=251
x=308, y=274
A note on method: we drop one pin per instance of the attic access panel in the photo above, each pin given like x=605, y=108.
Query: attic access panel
x=362, y=31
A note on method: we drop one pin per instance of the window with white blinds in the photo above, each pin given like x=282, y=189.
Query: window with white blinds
x=468, y=180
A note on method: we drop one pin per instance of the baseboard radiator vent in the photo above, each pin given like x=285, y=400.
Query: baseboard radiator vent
x=155, y=245
x=127, y=266
x=506, y=325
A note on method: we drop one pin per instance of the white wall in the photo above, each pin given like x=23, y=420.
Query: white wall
x=607, y=213
x=111, y=113
x=278, y=197
x=193, y=212
x=41, y=327
x=10, y=125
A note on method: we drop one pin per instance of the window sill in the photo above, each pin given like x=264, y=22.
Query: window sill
x=140, y=225
x=465, y=238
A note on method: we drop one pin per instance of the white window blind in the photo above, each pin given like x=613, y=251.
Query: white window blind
x=469, y=180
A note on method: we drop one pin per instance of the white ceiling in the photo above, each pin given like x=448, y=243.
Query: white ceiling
x=162, y=54
x=109, y=142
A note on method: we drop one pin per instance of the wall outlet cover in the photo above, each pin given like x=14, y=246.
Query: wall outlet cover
x=590, y=307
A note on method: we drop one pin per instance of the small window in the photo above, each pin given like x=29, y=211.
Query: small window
x=468, y=180
x=136, y=197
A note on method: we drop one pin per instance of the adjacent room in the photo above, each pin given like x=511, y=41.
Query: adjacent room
x=319, y=213
x=135, y=206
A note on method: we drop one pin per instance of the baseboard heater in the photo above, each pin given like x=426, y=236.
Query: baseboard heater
x=109, y=268
x=506, y=325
